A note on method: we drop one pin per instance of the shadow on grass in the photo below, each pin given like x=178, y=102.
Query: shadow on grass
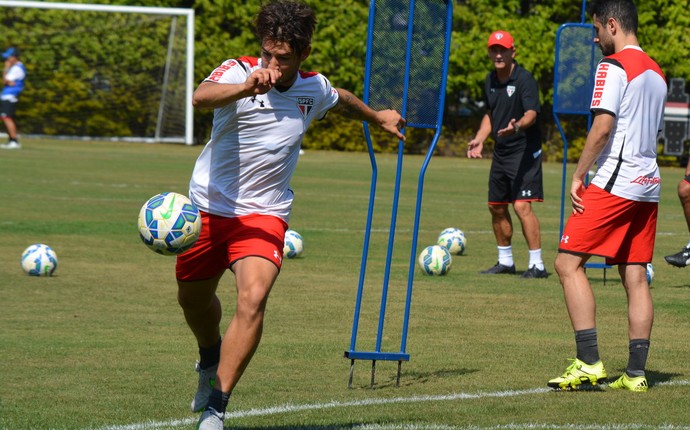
x=653, y=377
x=409, y=378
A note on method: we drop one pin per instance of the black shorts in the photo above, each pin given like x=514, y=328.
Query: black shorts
x=516, y=177
x=7, y=108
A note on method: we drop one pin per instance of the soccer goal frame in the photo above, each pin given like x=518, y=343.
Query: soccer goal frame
x=148, y=10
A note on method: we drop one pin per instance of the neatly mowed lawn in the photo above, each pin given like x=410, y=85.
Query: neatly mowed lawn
x=104, y=344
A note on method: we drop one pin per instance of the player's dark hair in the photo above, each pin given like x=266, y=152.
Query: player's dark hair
x=287, y=21
x=623, y=11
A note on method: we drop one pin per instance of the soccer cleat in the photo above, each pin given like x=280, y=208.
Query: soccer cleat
x=579, y=374
x=207, y=379
x=680, y=259
x=533, y=273
x=499, y=269
x=637, y=384
x=12, y=144
x=210, y=420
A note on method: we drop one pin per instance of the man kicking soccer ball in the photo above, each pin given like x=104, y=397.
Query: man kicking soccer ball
x=241, y=184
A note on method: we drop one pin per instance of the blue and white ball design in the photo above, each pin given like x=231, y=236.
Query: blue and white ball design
x=169, y=223
x=650, y=273
x=293, y=245
x=39, y=260
x=435, y=260
x=453, y=239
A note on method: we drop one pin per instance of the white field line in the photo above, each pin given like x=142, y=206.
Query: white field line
x=288, y=408
x=516, y=426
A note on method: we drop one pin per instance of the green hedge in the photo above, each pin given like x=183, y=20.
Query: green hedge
x=223, y=30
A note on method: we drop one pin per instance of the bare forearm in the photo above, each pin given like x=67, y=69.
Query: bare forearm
x=210, y=95
x=352, y=107
x=527, y=120
x=587, y=159
x=597, y=138
x=484, y=129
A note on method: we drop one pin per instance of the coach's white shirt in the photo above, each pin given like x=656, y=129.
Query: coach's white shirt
x=247, y=165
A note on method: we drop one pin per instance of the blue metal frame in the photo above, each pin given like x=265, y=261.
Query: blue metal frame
x=557, y=111
x=377, y=354
x=587, y=112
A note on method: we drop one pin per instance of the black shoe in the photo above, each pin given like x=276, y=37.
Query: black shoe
x=533, y=273
x=499, y=269
x=680, y=259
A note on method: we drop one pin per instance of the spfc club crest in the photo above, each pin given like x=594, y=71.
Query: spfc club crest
x=305, y=105
x=510, y=89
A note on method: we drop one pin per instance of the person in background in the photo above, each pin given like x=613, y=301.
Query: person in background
x=682, y=258
x=512, y=119
x=615, y=216
x=241, y=184
x=13, y=77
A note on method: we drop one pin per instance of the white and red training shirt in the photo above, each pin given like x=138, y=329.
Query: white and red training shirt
x=632, y=87
x=246, y=166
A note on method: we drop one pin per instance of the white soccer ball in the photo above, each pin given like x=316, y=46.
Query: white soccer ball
x=39, y=260
x=650, y=273
x=454, y=240
x=435, y=260
x=169, y=223
x=293, y=245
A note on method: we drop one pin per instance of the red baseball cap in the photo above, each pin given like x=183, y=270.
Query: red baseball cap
x=502, y=38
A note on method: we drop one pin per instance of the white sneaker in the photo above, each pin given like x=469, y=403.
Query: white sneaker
x=210, y=420
x=13, y=144
x=207, y=379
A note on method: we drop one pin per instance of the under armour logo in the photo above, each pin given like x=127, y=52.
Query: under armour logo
x=526, y=193
x=565, y=238
x=261, y=102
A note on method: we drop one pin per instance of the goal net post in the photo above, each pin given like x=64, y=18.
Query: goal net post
x=103, y=71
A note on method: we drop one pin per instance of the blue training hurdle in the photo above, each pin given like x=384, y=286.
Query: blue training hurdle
x=408, y=46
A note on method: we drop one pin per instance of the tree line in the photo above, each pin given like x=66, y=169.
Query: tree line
x=224, y=30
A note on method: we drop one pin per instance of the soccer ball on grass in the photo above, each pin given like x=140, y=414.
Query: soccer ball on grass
x=39, y=260
x=293, y=245
x=435, y=260
x=650, y=273
x=453, y=239
x=169, y=223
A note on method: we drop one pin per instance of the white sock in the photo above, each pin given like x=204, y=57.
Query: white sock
x=505, y=255
x=688, y=245
x=535, y=259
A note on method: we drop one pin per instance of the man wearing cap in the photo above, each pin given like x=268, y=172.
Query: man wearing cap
x=511, y=96
x=13, y=77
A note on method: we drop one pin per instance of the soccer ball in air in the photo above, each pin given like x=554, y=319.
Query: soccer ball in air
x=169, y=223
x=650, y=273
x=293, y=245
x=39, y=260
x=454, y=240
x=435, y=260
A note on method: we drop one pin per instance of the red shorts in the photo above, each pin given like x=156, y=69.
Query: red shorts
x=225, y=240
x=619, y=229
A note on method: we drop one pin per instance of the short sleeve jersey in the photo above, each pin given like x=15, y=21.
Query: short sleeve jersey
x=16, y=74
x=508, y=100
x=630, y=86
x=247, y=165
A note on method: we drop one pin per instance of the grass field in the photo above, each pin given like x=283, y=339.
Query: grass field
x=103, y=345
